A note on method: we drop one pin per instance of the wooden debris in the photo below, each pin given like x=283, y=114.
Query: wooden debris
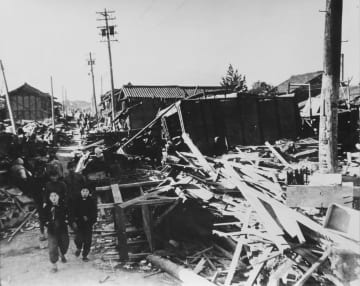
x=181, y=273
x=277, y=155
x=21, y=225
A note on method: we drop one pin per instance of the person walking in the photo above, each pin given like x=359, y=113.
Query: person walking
x=56, y=220
x=84, y=216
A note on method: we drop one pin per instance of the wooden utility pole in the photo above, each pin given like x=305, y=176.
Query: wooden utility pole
x=8, y=99
x=330, y=87
x=107, y=31
x=52, y=104
x=91, y=63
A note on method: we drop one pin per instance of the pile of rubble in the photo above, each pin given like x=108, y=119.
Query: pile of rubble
x=233, y=219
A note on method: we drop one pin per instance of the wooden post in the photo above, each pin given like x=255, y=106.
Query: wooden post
x=147, y=223
x=120, y=223
x=330, y=88
x=8, y=100
x=91, y=61
x=52, y=105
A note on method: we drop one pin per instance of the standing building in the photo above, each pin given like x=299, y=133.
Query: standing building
x=29, y=103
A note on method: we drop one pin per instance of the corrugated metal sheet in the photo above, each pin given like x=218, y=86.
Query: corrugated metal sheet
x=165, y=92
x=154, y=92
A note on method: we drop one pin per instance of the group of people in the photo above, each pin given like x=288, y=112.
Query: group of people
x=62, y=202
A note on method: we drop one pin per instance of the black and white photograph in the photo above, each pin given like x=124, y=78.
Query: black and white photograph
x=180, y=142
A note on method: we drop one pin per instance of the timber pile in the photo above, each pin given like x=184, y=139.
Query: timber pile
x=15, y=211
x=225, y=222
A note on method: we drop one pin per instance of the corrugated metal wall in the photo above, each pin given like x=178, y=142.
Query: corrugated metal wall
x=246, y=120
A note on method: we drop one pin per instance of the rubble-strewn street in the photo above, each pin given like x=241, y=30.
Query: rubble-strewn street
x=139, y=164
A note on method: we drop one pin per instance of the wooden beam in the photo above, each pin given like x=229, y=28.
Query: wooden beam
x=166, y=212
x=239, y=246
x=234, y=263
x=277, y=155
x=181, y=273
x=131, y=185
x=147, y=223
x=257, y=268
x=194, y=149
x=200, y=266
x=315, y=266
x=120, y=224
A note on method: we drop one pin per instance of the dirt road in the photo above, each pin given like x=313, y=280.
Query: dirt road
x=22, y=262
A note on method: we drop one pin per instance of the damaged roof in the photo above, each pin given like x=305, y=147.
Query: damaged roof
x=299, y=79
x=166, y=91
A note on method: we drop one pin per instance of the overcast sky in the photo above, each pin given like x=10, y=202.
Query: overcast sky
x=172, y=42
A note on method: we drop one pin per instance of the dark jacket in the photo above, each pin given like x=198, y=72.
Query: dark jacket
x=84, y=207
x=74, y=182
x=56, y=218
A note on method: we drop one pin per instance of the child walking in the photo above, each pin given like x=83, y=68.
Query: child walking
x=56, y=219
x=84, y=216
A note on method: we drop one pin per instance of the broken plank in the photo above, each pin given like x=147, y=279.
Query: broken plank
x=181, y=273
x=315, y=266
x=147, y=223
x=305, y=153
x=200, y=266
x=277, y=155
x=22, y=224
x=254, y=273
x=166, y=212
x=116, y=193
x=194, y=149
x=226, y=253
x=130, y=185
x=234, y=263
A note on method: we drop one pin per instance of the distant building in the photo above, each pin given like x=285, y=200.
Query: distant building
x=299, y=85
x=29, y=103
x=139, y=104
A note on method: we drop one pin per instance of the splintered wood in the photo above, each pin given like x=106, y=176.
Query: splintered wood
x=260, y=234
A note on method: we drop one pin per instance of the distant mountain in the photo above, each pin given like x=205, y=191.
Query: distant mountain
x=79, y=104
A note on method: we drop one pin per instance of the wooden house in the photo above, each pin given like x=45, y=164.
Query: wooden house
x=29, y=103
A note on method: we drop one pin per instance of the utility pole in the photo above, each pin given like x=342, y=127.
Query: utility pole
x=8, y=99
x=52, y=104
x=330, y=87
x=91, y=62
x=63, y=100
x=66, y=103
x=342, y=68
x=107, y=31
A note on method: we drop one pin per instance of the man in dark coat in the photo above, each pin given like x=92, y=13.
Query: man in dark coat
x=84, y=216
